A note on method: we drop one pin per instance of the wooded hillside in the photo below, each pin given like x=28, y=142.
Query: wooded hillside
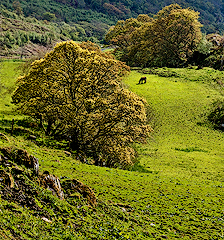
x=109, y=11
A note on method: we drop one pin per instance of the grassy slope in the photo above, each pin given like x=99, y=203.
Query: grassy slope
x=181, y=198
x=181, y=146
x=8, y=77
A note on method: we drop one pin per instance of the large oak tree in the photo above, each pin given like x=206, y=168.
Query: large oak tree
x=76, y=91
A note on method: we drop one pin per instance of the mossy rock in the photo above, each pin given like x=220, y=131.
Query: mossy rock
x=52, y=183
x=72, y=186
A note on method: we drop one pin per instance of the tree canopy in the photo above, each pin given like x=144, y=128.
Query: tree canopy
x=167, y=40
x=75, y=92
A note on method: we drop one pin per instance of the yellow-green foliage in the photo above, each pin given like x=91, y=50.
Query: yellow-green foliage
x=167, y=40
x=78, y=93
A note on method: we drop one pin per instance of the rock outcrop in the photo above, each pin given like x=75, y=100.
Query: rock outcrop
x=21, y=157
x=15, y=173
x=71, y=186
x=52, y=183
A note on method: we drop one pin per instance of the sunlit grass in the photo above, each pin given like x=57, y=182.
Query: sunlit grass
x=179, y=108
x=180, y=197
x=9, y=72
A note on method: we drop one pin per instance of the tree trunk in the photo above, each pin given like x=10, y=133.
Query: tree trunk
x=74, y=145
x=49, y=127
x=12, y=127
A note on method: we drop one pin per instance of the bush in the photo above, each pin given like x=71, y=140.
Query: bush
x=216, y=116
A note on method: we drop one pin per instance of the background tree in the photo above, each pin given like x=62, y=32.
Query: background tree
x=216, y=56
x=168, y=40
x=49, y=16
x=175, y=35
x=201, y=53
x=17, y=7
x=121, y=36
x=78, y=93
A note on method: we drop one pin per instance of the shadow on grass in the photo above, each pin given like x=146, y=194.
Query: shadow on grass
x=137, y=167
x=5, y=123
x=190, y=149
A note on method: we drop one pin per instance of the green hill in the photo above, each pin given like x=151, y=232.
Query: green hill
x=182, y=141
x=175, y=191
x=110, y=11
x=33, y=27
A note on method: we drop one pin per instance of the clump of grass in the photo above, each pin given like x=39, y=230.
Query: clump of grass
x=139, y=168
x=190, y=149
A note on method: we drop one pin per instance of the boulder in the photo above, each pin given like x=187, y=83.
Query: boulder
x=21, y=157
x=52, y=183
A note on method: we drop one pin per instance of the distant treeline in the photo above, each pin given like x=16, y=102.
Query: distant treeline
x=109, y=11
x=172, y=38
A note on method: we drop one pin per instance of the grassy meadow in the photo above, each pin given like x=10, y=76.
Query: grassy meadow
x=183, y=144
x=9, y=73
x=174, y=191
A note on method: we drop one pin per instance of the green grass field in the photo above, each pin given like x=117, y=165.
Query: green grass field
x=177, y=192
x=8, y=77
x=182, y=145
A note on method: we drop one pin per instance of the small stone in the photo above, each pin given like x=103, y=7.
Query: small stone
x=123, y=209
x=32, y=137
x=46, y=220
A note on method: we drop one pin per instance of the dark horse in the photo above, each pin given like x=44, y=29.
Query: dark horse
x=142, y=80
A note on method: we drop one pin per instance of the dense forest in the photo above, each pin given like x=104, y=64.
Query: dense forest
x=31, y=28
x=108, y=12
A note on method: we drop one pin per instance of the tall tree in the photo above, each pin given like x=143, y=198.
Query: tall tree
x=216, y=57
x=121, y=35
x=168, y=40
x=176, y=34
x=78, y=92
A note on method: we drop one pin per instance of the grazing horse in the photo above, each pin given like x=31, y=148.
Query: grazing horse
x=142, y=80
